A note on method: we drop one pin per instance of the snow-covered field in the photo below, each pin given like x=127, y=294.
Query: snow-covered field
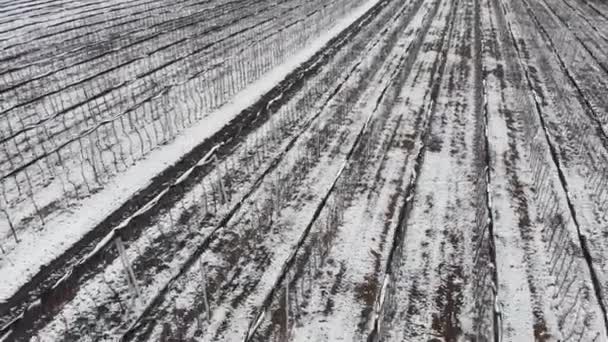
x=253, y=170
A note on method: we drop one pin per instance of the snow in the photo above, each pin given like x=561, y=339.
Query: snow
x=431, y=289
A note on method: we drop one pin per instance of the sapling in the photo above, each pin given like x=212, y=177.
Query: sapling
x=149, y=139
x=204, y=195
x=130, y=275
x=91, y=158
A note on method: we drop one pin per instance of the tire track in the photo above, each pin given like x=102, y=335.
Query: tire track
x=600, y=62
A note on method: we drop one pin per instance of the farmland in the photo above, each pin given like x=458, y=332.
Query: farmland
x=253, y=170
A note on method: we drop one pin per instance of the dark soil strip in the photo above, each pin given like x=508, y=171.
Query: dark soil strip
x=481, y=108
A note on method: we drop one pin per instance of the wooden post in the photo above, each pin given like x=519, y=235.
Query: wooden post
x=127, y=267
